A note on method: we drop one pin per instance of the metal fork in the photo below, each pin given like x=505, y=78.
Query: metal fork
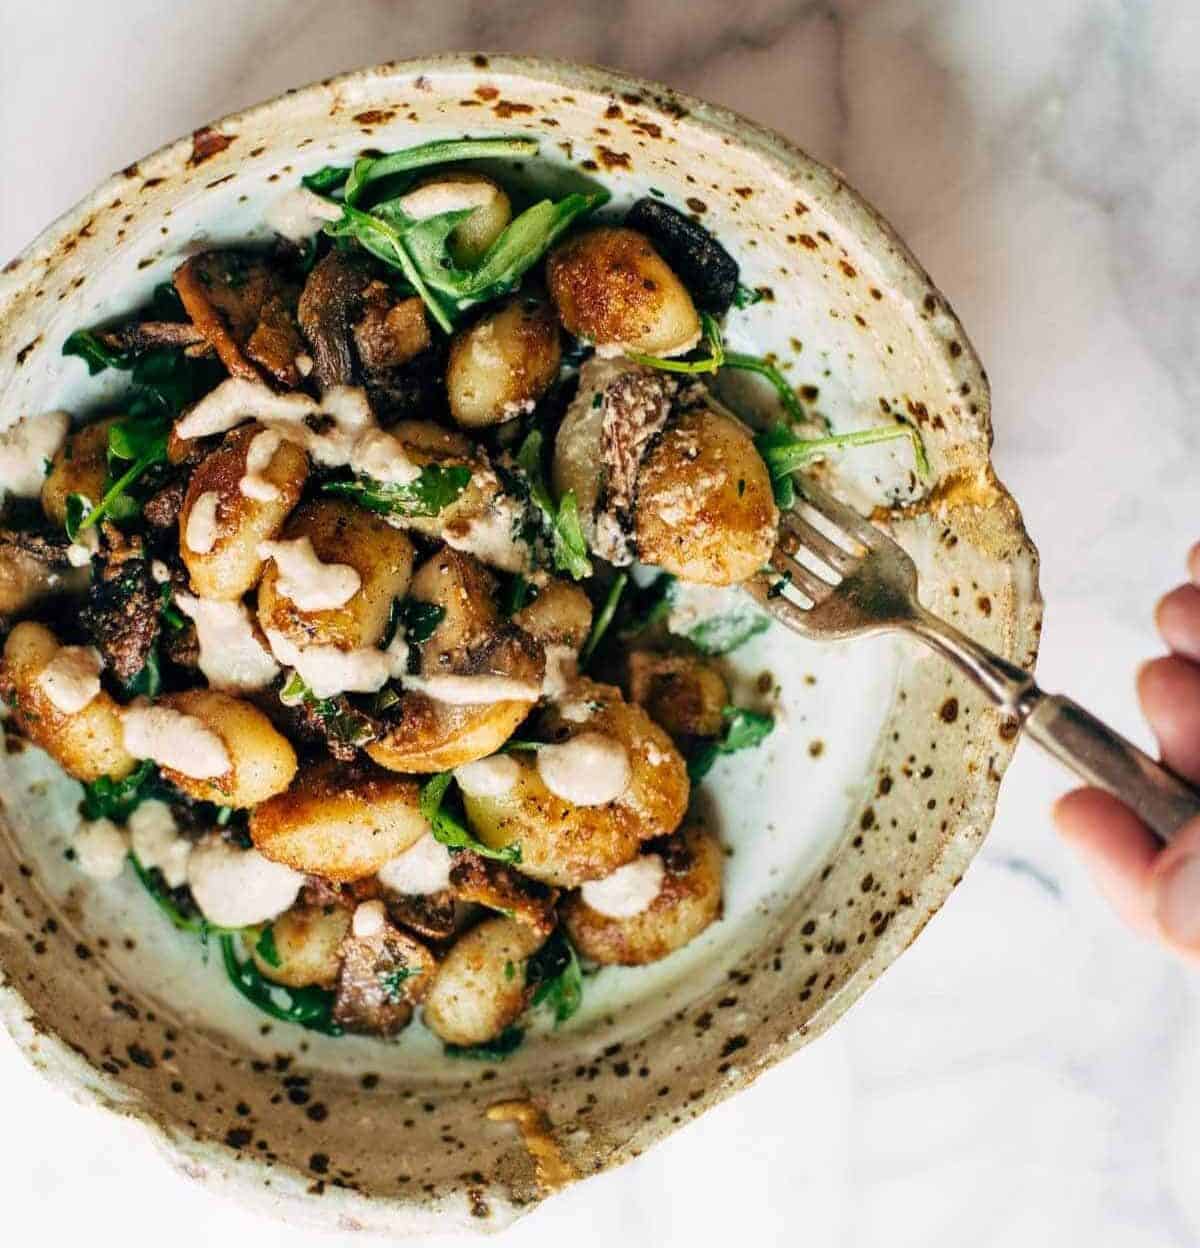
x=867, y=584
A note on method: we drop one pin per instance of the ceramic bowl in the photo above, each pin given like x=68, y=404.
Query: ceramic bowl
x=846, y=834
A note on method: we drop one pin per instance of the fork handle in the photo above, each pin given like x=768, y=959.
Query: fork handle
x=1093, y=751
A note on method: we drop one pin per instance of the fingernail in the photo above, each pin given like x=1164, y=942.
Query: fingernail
x=1177, y=902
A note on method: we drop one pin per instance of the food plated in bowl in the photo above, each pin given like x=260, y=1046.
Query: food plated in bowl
x=457, y=482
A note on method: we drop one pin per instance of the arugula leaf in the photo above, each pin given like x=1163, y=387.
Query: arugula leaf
x=326, y=179
x=148, y=682
x=311, y=1008
x=441, y=151
x=266, y=948
x=392, y=982
x=709, y=363
x=517, y=593
x=568, y=546
x=431, y=493
x=605, y=617
x=97, y=357
x=719, y=634
x=172, y=616
x=507, y=1042
x=107, y=798
x=420, y=619
x=77, y=509
x=743, y=730
x=554, y=968
x=448, y=829
x=341, y=719
x=784, y=451
x=756, y=364
x=420, y=249
x=746, y=296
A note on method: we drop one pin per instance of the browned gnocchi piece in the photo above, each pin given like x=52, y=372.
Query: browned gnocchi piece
x=87, y=743
x=564, y=843
x=340, y=821
x=502, y=364
x=479, y=989
x=705, y=509
x=340, y=534
x=460, y=189
x=688, y=900
x=307, y=943
x=682, y=692
x=220, y=526
x=611, y=287
x=80, y=466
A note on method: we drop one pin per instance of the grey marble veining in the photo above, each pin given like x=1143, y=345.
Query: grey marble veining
x=1028, y=1074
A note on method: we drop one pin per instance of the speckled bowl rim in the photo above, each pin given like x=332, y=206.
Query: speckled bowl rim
x=240, y=1176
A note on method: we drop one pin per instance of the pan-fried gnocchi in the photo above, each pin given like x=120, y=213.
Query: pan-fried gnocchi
x=336, y=608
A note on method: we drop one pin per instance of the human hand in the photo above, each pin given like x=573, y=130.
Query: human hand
x=1156, y=890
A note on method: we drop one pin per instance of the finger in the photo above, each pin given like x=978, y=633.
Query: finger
x=1194, y=564
x=1175, y=891
x=1178, y=620
x=1117, y=847
x=1169, y=689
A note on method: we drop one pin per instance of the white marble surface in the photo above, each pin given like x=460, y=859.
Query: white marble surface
x=1028, y=1074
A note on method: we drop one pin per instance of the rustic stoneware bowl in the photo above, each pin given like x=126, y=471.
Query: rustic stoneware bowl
x=846, y=831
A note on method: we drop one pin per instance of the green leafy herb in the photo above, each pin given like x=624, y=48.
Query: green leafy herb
x=326, y=179
x=746, y=296
x=568, y=546
x=449, y=829
x=420, y=620
x=605, y=618
x=421, y=249
x=431, y=493
x=373, y=169
x=392, y=982
x=224, y=815
x=78, y=507
x=719, y=634
x=506, y=1043
x=509, y=970
x=107, y=798
x=554, y=969
x=709, y=363
x=756, y=364
x=266, y=948
x=743, y=730
x=172, y=616
x=148, y=682
x=307, y=1007
x=88, y=347
x=517, y=593
x=783, y=451
x=342, y=721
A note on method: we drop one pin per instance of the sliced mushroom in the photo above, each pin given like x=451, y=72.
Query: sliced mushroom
x=383, y=975
x=330, y=304
x=246, y=309
x=492, y=884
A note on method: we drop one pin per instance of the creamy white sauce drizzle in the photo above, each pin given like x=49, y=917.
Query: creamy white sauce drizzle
x=328, y=671
x=423, y=869
x=589, y=770
x=84, y=548
x=201, y=531
x=176, y=740
x=160, y=574
x=100, y=849
x=629, y=890
x=157, y=843
x=382, y=456
x=490, y=535
x=304, y=580
x=25, y=449
x=299, y=213
x=72, y=678
x=473, y=690
x=370, y=918
x=488, y=777
x=239, y=887
x=259, y=454
x=231, y=655
x=562, y=670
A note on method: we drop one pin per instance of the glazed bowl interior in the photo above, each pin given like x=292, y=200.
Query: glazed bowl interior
x=845, y=833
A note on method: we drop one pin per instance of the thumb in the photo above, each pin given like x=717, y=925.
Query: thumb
x=1175, y=890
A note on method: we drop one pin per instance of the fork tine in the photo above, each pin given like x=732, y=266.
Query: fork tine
x=804, y=579
x=841, y=514
x=809, y=536
x=788, y=612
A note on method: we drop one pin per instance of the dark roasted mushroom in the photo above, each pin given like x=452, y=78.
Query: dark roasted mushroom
x=432, y=915
x=708, y=271
x=330, y=304
x=492, y=884
x=383, y=975
x=246, y=308
x=121, y=615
